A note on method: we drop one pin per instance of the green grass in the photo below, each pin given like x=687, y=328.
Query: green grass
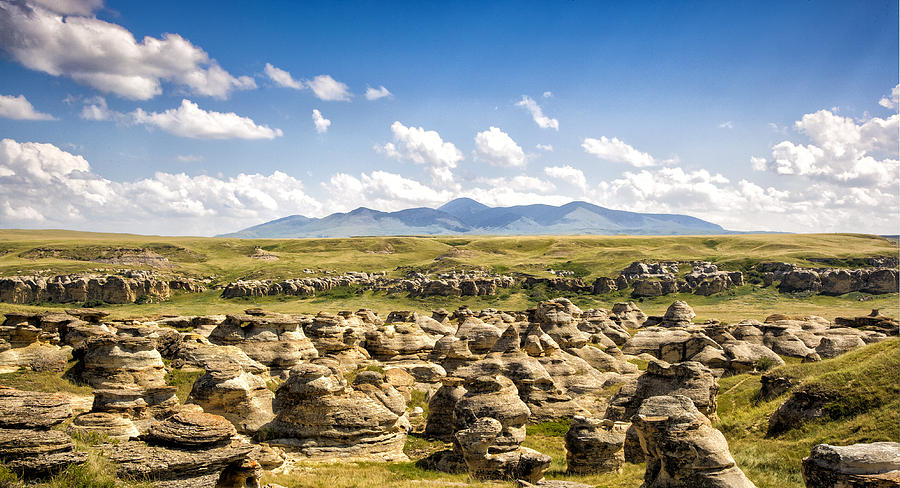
x=184, y=381
x=866, y=382
x=45, y=381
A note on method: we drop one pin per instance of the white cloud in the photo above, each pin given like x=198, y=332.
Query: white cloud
x=20, y=108
x=321, y=122
x=545, y=147
x=95, y=108
x=727, y=125
x=189, y=158
x=842, y=151
x=382, y=191
x=894, y=101
x=521, y=183
x=617, y=151
x=573, y=176
x=376, y=93
x=424, y=147
x=70, y=7
x=537, y=113
x=189, y=120
x=327, y=88
x=44, y=186
x=548, y=94
x=498, y=149
x=282, y=77
x=106, y=56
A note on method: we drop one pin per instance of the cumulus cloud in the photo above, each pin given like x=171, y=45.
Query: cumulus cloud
x=545, y=147
x=521, y=183
x=548, y=94
x=327, y=88
x=498, y=149
x=189, y=120
x=44, y=186
x=106, y=56
x=894, y=101
x=383, y=191
x=321, y=122
x=573, y=176
x=424, y=147
x=70, y=7
x=376, y=93
x=537, y=113
x=727, y=125
x=282, y=77
x=617, y=151
x=841, y=150
x=20, y=108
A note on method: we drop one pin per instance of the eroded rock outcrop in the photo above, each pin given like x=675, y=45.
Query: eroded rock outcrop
x=681, y=447
x=875, y=465
x=595, y=446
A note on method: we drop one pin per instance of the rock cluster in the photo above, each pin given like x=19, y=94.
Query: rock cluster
x=452, y=285
x=111, y=288
x=831, y=281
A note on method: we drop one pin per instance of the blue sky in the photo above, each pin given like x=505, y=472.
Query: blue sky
x=197, y=117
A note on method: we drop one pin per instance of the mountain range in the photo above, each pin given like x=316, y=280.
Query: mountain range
x=466, y=216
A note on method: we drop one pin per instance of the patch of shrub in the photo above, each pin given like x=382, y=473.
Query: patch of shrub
x=93, y=304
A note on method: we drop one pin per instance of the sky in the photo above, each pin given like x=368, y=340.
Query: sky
x=200, y=118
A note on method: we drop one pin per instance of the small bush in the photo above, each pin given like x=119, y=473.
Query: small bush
x=764, y=363
x=93, y=304
x=141, y=299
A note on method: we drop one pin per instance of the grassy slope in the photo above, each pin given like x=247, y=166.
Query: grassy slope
x=227, y=259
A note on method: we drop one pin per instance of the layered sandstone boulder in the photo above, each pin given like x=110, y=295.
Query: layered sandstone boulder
x=239, y=395
x=38, y=452
x=595, y=446
x=486, y=460
x=319, y=416
x=875, y=465
x=32, y=410
x=681, y=447
x=679, y=314
x=275, y=340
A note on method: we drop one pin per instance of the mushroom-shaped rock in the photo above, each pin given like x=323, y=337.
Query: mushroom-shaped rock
x=682, y=449
x=498, y=398
x=595, y=446
x=476, y=443
x=441, y=407
x=558, y=318
x=113, y=361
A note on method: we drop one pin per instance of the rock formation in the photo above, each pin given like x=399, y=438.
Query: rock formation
x=595, y=446
x=681, y=447
x=875, y=465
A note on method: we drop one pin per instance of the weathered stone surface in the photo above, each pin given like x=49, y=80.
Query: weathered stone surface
x=192, y=430
x=498, y=398
x=595, y=446
x=476, y=442
x=398, y=339
x=37, y=453
x=679, y=314
x=115, y=426
x=112, y=362
x=875, y=465
x=681, y=447
x=240, y=396
x=689, y=379
x=275, y=340
x=441, y=421
x=136, y=402
x=32, y=410
x=320, y=417
x=802, y=406
x=558, y=318
x=628, y=315
x=167, y=467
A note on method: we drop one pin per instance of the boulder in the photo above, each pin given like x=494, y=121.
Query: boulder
x=240, y=396
x=192, y=430
x=113, y=362
x=682, y=449
x=679, y=314
x=476, y=443
x=168, y=467
x=115, y=426
x=32, y=410
x=37, y=452
x=875, y=465
x=275, y=340
x=595, y=446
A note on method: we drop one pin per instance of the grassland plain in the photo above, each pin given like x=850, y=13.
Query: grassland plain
x=225, y=260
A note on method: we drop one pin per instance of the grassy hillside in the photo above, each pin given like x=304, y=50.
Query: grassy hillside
x=593, y=256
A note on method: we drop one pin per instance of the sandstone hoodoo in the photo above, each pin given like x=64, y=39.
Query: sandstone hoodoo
x=681, y=447
x=595, y=446
x=113, y=288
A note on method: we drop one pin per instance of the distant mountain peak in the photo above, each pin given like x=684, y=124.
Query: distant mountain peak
x=467, y=216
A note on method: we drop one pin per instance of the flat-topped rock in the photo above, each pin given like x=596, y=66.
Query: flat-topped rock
x=115, y=426
x=875, y=465
x=32, y=410
x=595, y=446
x=192, y=430
x=37, y=453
